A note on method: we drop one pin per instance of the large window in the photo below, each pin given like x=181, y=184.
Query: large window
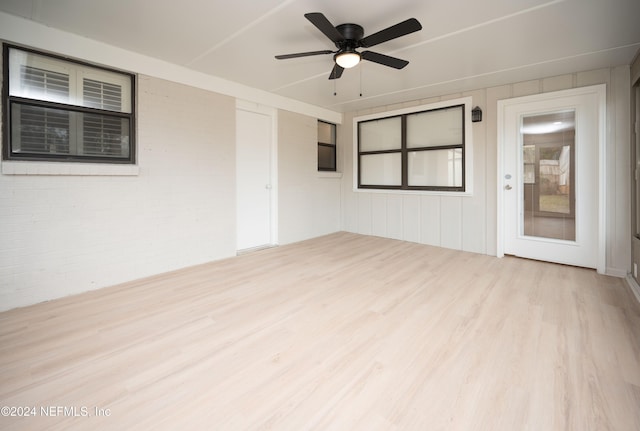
x=326, y=146
x=423, y=150
x=63, y=110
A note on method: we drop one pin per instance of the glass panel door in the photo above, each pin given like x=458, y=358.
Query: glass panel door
x=551, y=203
x=548, y=180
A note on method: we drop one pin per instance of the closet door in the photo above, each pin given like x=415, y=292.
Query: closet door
x=253, y=179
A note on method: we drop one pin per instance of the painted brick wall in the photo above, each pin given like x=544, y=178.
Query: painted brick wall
x=308, y=201
x=65, y=234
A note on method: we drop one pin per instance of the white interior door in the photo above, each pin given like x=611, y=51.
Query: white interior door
x=551, y=177
x=254, y=183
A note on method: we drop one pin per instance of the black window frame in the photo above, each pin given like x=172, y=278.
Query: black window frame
x=8, y=101
x=404, y=153
x=332, y=145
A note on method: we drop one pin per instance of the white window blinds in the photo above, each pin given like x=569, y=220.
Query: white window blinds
x=63, y=109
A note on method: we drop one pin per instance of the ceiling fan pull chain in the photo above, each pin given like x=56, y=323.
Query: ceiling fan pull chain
x=360, y=80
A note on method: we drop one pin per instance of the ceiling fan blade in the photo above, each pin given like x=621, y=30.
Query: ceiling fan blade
x=401, y=29
x=385, y=60
x=303, y=54
x=323, y=24
x=336, y=72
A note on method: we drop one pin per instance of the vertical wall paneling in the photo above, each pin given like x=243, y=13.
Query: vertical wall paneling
x=394, y=216
x=469, y=222
x=526, y=88
x=620, y=250
x=491, y=159
x=379, y=214
x=411, y=218
x=349, y=216
x=451, y=222
x=430, y=220
x=557, y=83
x=474, y=223
x=364, y=213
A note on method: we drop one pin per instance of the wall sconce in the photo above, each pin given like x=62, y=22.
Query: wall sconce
x=476, y=114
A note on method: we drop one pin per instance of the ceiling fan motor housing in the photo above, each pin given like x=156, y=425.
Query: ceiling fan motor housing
x=351, y=31
x=352, y=34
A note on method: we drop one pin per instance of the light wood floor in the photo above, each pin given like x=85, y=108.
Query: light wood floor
x=343, y=332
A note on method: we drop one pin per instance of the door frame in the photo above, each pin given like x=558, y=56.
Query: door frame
x=257, y=108
x=599, y=91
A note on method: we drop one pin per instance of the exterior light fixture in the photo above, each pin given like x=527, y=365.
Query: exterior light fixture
x=476, y=114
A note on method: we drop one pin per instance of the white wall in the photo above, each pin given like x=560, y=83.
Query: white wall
x=65, y=234
x=308, y=200
x=66, y=229
x=469, y=223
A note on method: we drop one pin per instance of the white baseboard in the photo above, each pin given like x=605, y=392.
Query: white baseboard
x=616, y=272
x=635, y=288
x=252, y=249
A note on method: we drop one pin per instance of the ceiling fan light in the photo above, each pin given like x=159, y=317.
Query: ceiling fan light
x=348, y=59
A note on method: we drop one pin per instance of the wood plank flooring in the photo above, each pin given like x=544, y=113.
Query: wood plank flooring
x=343, y=332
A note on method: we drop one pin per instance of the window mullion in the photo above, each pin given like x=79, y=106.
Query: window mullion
x=359, y=144
x=76, y=139
x=403, y=150
x=464, y=149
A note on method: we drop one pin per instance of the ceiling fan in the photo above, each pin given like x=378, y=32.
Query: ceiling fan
x=349, y=37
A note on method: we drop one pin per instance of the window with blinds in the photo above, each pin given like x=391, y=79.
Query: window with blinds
x=67, y=111
x=414, y=150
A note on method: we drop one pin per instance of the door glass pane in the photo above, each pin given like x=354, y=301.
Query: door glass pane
x=548, y=152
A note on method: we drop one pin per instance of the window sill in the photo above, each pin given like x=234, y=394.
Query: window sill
x=329, y=174
x=62, y=168
x=467, y=193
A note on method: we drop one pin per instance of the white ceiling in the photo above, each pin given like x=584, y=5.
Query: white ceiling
x=463, y=45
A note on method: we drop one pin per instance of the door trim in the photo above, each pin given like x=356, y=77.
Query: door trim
x=600, y=92
x=257, y=108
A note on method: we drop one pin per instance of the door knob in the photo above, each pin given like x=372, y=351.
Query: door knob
x=508, y=187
